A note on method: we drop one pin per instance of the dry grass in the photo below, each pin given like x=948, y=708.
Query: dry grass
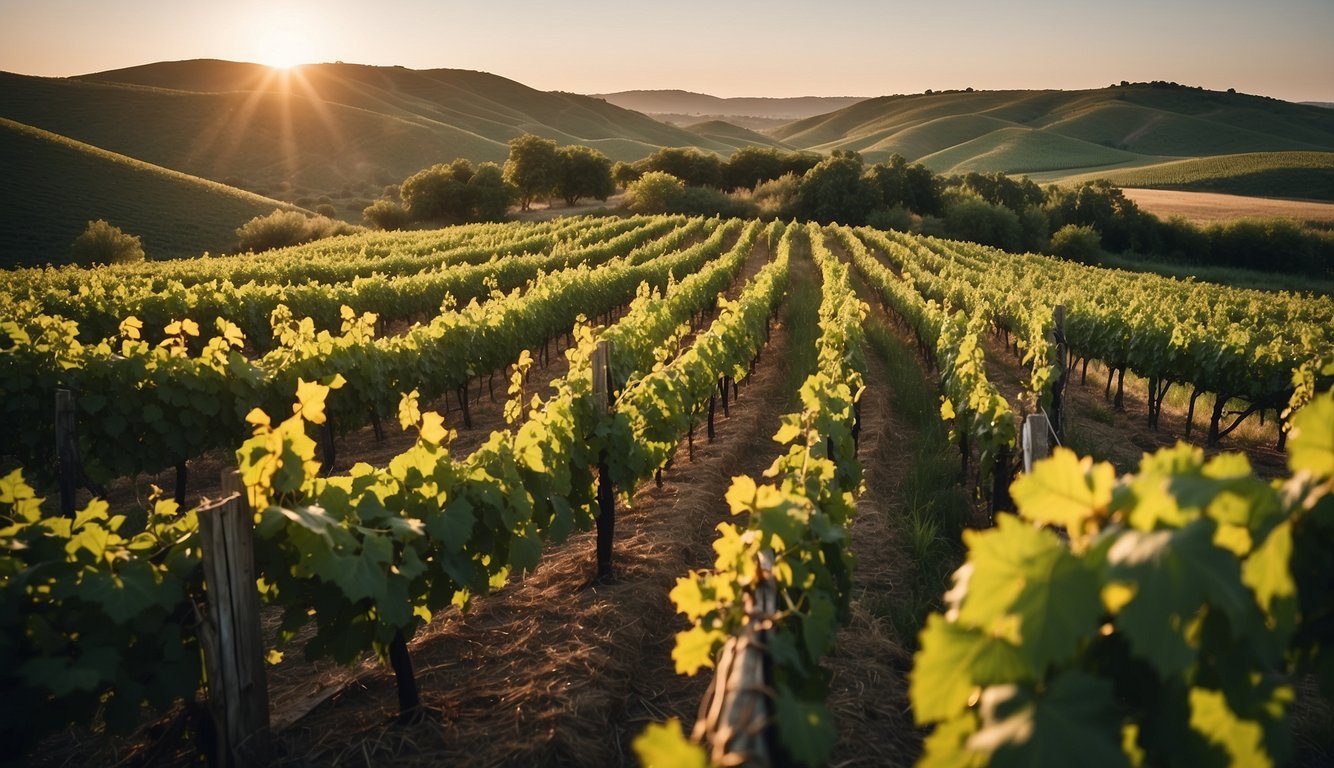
x=1208, y=208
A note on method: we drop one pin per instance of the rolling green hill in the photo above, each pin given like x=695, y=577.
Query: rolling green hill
x=54, y=186
x=722, y=131
x=1067, y=131
x=321, y=127
x=1299, y=175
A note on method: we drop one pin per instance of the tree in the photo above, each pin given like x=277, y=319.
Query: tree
x=533, y=168
x=837, y=190
x=489, y=195
x=1077, y=242
x=655, y=192
x=625, y=174
x=584, y=172
x=386, y=214
x=102, y=243
x=969, y=217
x=437, y=194
x=751, y=166
x=691, y=166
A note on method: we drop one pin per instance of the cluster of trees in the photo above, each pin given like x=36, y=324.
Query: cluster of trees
x=1080, y=222
x=445, y=193
x=458, y=192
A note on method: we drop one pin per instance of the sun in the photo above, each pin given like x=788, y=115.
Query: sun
x=282, y=41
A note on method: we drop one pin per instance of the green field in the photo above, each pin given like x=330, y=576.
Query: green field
x=1297, y=175
x=1045, y=132
x=54, y=186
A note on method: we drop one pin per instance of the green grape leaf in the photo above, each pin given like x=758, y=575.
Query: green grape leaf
x=1174, y=574
x=1023, y=573
x=1064, y=490
x=666, y=746
x=1242, y=740
x=694, y=649
x=806, y=728
x=952, y=662
x=1268, y=573
x=128, y=592
x=1311, y=440
x=364, y=575
x=947, y=746
x=1076, y=715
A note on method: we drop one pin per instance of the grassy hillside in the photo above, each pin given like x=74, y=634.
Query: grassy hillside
x=690, y=103
x=1301, y=175
x=723, y=131
x=1073, y=131
x=321, y=128
x=54, y=186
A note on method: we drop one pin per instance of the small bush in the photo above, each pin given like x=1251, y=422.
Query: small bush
x=101, y=243
x=1077, y=242
x=283, y=228
x=655, y=192
x=386, y=214
x=327, y=210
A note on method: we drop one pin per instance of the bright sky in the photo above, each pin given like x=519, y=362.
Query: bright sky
x=1281, y=48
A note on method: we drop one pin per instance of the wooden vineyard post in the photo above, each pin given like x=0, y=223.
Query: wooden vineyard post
x=1058, y=385
x=230, y=635
x=1036, y=440
x=601, y=364
x=735, y=719
x=67, y=451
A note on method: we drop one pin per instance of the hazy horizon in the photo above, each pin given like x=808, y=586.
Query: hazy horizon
x=773, y=49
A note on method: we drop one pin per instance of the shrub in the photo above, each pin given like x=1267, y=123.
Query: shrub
x=327, y=210
x=102, y=243
x=1077, y=242
x=283, y=228
x=386, y=214
x=777, y=198
x=655, y=192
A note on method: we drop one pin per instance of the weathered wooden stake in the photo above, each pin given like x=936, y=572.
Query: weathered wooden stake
x=230, y=633
x=1036, y=440
x=712, y=399
x=601, y=363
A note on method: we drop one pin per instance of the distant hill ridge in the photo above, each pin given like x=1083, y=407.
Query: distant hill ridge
x=322, y=126
x=689, y=102
x=1066, y=131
